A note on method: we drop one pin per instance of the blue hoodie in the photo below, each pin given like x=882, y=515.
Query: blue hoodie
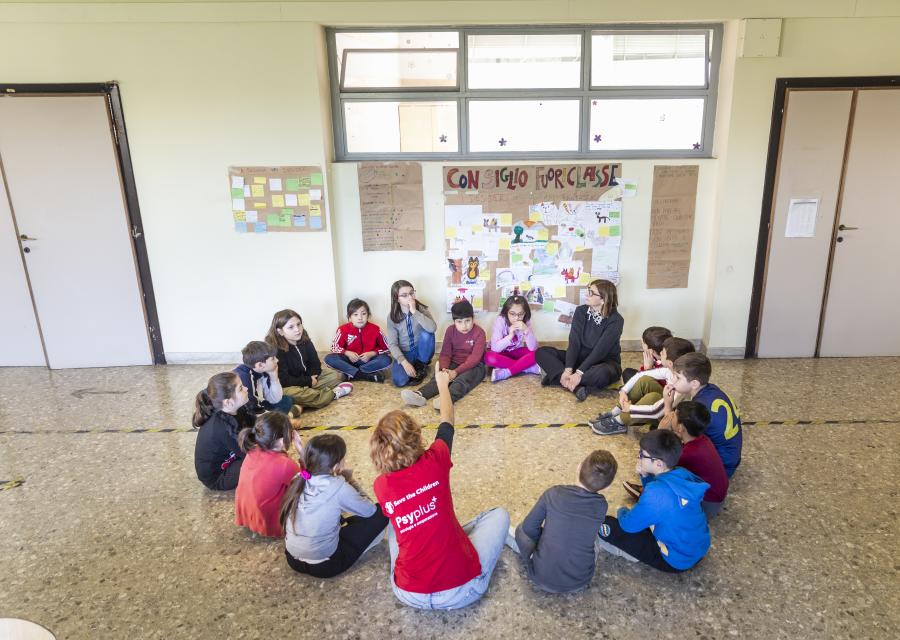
x=670, y=507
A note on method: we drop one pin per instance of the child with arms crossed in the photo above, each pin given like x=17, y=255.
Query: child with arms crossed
x=512, y=341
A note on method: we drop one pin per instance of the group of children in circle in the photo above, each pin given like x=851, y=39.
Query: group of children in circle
x=246, y=421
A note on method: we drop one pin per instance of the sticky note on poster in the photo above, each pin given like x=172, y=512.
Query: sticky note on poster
x=274, y=184
x=505, y=219
x=260, y=227
x=252, y=216
x=240, y=216
x=584, y=278
x=300, y=221
x=259, y=205
x=315, y=179
x=315, y=222
x=258, y=191
x=559, y=291
x=449, y=232
x=237, y=192
x=259, y=180
x=552, y=248
x=292, y=184
x=302, y=199
x=237, y=204
x=290, y=199
x=504, y=243
x=548, y=305
x=277, y=201
x=315, y=194
x=240, y=226
x=237, y=182
x=315, y=210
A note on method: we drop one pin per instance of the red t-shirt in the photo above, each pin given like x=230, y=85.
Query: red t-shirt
x=699, y=456
x=265, y=476
x=435, y=553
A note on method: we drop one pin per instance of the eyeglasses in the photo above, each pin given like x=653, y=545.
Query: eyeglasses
x=643, y=457
x=591, y=292
x=411, y=294
x=516, y=315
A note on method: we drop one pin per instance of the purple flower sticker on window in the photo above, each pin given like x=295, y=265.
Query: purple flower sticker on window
x=502, y=142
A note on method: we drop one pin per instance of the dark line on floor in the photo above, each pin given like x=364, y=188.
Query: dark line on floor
x=366, y=427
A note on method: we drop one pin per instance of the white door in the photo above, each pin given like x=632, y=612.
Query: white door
x=66, y=193
x=863, y=306
x=20, y=340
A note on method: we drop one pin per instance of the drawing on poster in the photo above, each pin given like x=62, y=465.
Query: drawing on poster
x=539, y=231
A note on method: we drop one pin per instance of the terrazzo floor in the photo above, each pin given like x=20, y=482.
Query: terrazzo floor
x=112, y=536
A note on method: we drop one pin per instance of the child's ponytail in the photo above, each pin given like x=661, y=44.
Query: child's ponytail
x=219, y=388
x=265, y=433
x=320, y=455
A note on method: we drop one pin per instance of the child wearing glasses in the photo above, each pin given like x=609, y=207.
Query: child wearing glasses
x=512, y=341
x=666, y=529
x=410, y=335
x=593, y=359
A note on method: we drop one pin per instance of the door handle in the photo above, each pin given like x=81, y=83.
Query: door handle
x=24, y=236
x=843, y=227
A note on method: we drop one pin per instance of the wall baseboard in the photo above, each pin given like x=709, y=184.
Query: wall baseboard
x=232, y=358
x=724, y=353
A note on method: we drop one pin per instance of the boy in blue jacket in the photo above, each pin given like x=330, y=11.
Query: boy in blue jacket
x=666, y=528
x=259, y=374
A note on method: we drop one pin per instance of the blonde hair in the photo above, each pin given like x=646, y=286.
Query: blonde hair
x=396, y=442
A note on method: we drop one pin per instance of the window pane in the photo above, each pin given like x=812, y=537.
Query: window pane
x=393, y=40
x=646, y=124
x=524, y=61
x=394, y=127
x=523, y=125
x=399, y=69
x=632, y=60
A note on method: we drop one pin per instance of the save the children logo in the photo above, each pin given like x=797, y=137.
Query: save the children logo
x=389, y=507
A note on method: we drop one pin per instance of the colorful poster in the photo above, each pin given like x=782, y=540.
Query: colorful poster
x=277, y=199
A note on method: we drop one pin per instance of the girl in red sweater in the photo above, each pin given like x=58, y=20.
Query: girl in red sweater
x=266, y=473
x=359, y=349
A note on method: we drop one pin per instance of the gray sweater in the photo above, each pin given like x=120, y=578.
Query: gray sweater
x=557, y=538
x=313, y=535
x=398, y=336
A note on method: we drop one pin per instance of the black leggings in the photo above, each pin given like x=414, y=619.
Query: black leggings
x=553, y=362
x=354, y=538
x=228, y=479
x=640, y=546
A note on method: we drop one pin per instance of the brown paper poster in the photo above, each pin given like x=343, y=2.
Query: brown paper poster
x=671, y=226
x=531, y=230
x=392, y=206
x=277, y=199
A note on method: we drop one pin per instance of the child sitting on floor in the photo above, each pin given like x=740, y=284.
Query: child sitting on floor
x=359, y=350
x=557, y=540
x=641, y=399
x=692, y=372
x=666, y=529
x=299, y=369
x=512, y=341
x=220, y=414
x=259, y=373
x=698, y=454
x=266, y=473
x=315, y=541
x=651, y=346
x=461, y=354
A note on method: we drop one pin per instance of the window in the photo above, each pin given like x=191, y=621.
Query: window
x=524, y=92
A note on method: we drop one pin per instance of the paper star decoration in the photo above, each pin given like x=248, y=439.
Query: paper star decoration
x=443, y=138
x=502, y=142
x=696, y=145
x=597, y=138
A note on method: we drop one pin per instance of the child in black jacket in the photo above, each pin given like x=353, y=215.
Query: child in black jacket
x=299, y=369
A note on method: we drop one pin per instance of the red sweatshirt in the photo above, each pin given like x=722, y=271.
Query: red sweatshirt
x=359, y=341
x=462, y=349
x=699, y=456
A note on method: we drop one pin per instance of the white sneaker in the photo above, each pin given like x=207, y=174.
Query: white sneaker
x=511, y=539
x=343, y=389
x=413, y=398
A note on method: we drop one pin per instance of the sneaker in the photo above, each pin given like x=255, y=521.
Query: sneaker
x=343, y=389
x=295, y=411
x=499, y=374
x=612, y=413
x=369, y=377
x=634, y=489
x=511, y=539
x=607, y=427
x=581, y=393
x=534, y=370
x=413, y=398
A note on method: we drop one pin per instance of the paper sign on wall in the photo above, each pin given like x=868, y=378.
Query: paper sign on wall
x=264, y=207
x=801, y=218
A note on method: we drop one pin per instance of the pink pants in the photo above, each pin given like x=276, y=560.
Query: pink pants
x=516, y=360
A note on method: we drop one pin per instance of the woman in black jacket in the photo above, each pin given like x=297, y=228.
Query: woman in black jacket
x=593, y=359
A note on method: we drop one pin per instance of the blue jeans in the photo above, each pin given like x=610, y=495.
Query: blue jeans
x=423, y=352
x=284, y=405
x=340, y=362
x=487, y=533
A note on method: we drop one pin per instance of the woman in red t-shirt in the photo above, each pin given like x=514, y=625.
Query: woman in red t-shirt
x=266, y=473
x=435, y=562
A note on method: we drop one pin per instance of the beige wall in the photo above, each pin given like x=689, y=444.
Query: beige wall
x=210, y=85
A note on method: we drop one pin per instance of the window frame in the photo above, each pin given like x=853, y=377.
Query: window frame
x=585, y=93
